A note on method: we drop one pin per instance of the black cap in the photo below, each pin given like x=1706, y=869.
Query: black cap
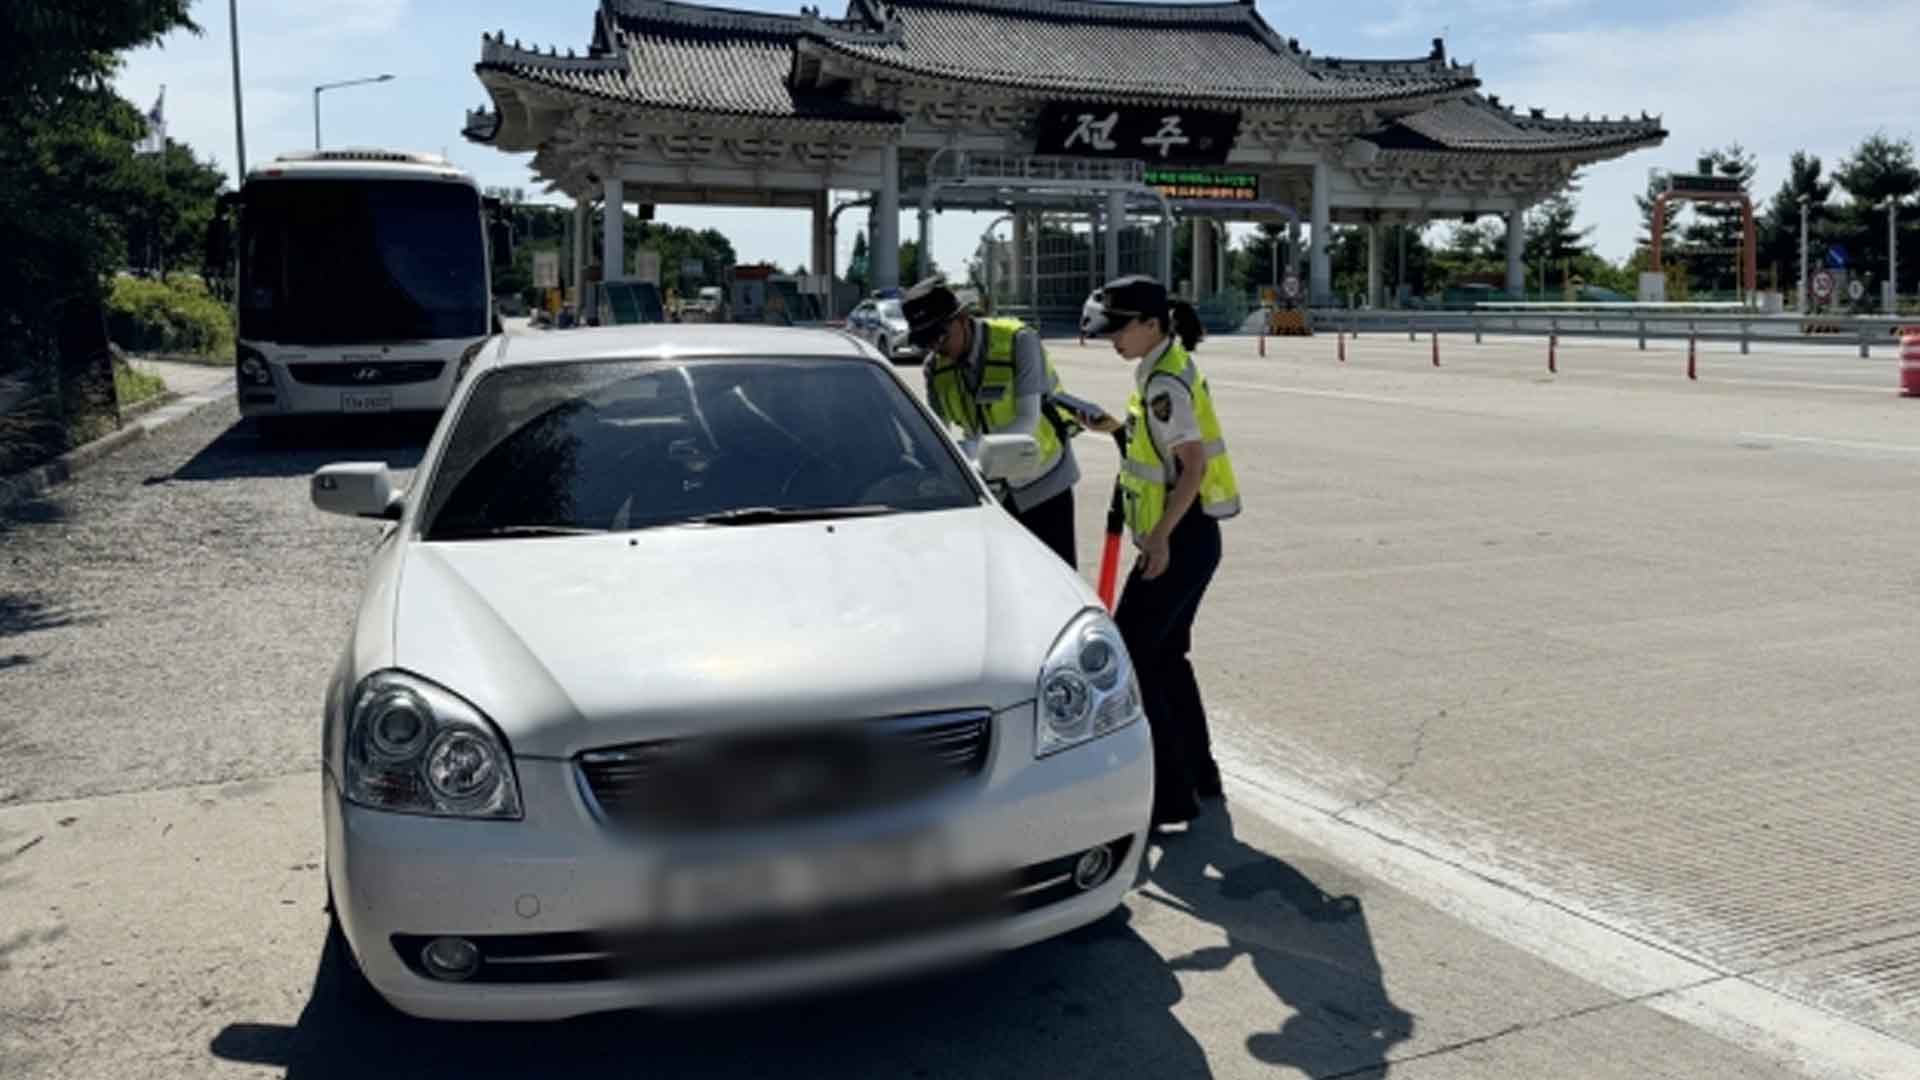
x=1122, y=301
x=929, y=306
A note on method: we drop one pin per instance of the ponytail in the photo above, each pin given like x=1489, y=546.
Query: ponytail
x=1186, y=324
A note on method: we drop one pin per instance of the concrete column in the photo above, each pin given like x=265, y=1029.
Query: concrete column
x=1516, y=253
x=1017, y=259
x=613, y=249
x=925, y=269
x=821, y=261
x=1116, y=223
x=582, y=221
x=1203, y=256
x=1320, y=262
x=1373, y=264
x=884, y=258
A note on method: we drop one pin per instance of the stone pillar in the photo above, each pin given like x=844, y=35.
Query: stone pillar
x=1116, y=224
x=821, y=261
x=1017, y=258
x=1373, y=264
x=1203, y=254
x=613, y=245
x=1320, y=262
x=1516, y=254
x=925, y=269
x=582, y=221
x=884, y=258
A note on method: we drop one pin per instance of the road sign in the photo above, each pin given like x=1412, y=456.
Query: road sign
x=1822, y=285
x=1837, y=257
x=1856, y=289
x=546, y=269
x=1290, y=286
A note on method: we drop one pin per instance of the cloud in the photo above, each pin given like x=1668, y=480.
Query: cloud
x=1774, y=75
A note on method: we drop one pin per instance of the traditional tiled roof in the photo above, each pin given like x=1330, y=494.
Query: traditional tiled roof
x=1482, y=124
x=1214, y=51
x=731, y=63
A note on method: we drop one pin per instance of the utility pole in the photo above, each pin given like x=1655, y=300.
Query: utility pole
x=336, y=86
x=1893, y=255
x=239, y=116
x=1803, y=254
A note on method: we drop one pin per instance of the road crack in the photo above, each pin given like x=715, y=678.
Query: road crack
x=1401, y=770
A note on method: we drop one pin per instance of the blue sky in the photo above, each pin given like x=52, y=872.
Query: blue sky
x=1776, y=75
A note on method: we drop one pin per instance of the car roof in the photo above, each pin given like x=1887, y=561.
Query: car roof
x=659, y=341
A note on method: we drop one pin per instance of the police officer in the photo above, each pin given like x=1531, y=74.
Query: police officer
x=992, y=377
x=1179, y=485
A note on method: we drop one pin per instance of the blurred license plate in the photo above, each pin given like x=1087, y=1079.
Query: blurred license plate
x=796, y=882
x=366, y=402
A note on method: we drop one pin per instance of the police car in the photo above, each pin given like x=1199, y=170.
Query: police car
x=698, y=662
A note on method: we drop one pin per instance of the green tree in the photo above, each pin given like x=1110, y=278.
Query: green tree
x=1879, y=169
x=1779, y=224
x=166, y=201
x=857, y=270
x=66, y=145
x=910, y=262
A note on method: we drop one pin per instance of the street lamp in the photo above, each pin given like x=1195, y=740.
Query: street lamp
x=239, y=120
x=1893, y=255
x=1804, y=200
x=336, y=86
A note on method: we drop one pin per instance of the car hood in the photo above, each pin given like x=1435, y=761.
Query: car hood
x=569, y=643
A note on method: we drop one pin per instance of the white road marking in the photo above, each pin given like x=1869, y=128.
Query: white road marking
x=1843, y=444
x=1561, y=931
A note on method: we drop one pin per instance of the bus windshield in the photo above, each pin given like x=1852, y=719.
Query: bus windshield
x=334, y=262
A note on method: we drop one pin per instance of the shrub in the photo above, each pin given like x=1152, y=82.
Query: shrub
x=177, y=315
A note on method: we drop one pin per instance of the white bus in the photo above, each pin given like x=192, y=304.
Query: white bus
x=364, y=281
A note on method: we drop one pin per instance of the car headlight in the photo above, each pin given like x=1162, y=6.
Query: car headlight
x=251, y=367
x=415, y=748
x=1087, y=686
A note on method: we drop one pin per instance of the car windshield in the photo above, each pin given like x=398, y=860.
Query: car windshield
x=347, y=261
x=623, y=444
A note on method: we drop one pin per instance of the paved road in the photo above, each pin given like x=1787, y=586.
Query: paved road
x=1562, y=725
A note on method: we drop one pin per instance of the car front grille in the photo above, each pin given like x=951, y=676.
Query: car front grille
x=370, y=373
x=714, y=783
x=593, y=956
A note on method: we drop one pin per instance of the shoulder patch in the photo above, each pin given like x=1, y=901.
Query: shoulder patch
x=1162, y=406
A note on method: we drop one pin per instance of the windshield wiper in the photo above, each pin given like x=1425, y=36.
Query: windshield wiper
x=762, y=515
x=486, y=531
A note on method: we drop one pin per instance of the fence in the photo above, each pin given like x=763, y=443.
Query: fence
x=1862, y=332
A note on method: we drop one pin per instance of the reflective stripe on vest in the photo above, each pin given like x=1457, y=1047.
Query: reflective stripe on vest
x=991, y=407
x=1146, y=475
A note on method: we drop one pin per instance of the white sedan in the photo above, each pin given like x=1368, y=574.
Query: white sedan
x=697, y=662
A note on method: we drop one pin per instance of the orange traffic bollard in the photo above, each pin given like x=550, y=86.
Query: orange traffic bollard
x=1910, y=362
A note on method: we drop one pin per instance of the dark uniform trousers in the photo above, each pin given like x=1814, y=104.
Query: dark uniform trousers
x=1156, y=621
x=1052, y=522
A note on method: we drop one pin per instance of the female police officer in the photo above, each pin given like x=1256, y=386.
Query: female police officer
x=1179, y=486
x=992, y=377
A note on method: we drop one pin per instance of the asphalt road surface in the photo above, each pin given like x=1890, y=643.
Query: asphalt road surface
x=1564, y=716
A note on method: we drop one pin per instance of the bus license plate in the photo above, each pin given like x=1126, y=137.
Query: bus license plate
x=365, y=403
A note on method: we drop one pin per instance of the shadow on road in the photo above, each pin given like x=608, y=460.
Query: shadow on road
x=1314, y=951
x=303, y=445
x=1092, y=1003
x=36, y=511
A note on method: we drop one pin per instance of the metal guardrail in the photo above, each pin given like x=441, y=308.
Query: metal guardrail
x=1863, y=332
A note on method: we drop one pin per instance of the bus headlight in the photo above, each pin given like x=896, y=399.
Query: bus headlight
x=250, y=367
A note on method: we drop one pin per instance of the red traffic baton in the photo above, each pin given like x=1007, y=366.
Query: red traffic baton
x=1116, y=523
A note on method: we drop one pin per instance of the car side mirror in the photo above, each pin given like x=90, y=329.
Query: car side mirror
x=362, y=489
x=1000, y=457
